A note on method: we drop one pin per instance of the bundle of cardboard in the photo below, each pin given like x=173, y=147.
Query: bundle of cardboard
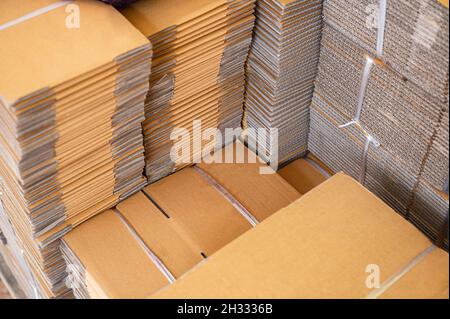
x=71, y=108
x=172, y=225
x=200, y=48
x=415, y=35
x=281, y=69
x=374, y=120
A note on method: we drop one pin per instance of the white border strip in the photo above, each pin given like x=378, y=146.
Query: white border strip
x=155, y=259
x=399, y=275
x=229, y=197
x=33, y=14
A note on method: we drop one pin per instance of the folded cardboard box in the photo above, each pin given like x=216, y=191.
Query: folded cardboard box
x=336, y=241
x=415, y=36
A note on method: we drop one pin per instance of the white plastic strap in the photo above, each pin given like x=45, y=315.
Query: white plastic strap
x=370, y=141
x=155, y=259
x=318, y=167
x=230, y=198
x=33, y=14
x=397, y=276
x=362, y=93
x=382, y=10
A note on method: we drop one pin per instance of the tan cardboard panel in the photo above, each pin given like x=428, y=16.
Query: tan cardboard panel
x=210, y=224
x=318, y=247
x=168, y=13
x=261, y=194
x=54, y=62
x=302, y=175
x=428, y=280
x=123, y=272
x=161, y=234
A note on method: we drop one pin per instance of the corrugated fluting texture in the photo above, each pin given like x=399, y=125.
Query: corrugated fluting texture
x=397, y=144
x=281, y=69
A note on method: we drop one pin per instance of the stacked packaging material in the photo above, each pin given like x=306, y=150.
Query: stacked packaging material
x=415, y=41
x=371, y=116
x=71, y=138
x=281, y=69
x=200, y=48
x=170, y=227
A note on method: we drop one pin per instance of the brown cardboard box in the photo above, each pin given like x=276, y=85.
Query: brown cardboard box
x=322, y=246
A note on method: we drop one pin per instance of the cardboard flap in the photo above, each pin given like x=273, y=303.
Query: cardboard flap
x=154, y=16
x=161, y=234
x=302, y=175
x=208, y=224
x=53, y=53
x=318, y=247
x=261, y=194
x=123, y=272
x=428, y=280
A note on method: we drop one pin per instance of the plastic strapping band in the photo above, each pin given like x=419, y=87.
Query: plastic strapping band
x=155, y=259
x=369, y=141
x=318, y=167
x=34, y=14
x=230, y=198
x=362, y=93
x=382, y=10
x=397, y=276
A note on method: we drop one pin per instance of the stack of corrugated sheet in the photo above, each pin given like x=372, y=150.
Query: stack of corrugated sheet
x=374, y=115
x=200, y=48
x=71, y=108
x=415, y=38
x=281, y=69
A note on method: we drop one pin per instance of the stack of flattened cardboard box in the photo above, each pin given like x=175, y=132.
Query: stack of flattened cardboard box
x=73, y=85
x=380, y=107
x=171, y=226
x=200, y=48
x=281, y=69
